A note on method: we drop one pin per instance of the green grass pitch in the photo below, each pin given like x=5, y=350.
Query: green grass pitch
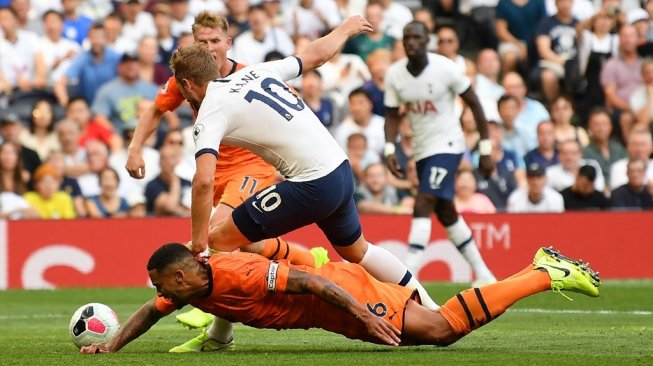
x=615, y=329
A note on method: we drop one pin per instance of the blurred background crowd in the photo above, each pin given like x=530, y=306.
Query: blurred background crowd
x=566, y=84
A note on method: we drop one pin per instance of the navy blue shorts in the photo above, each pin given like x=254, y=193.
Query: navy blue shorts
x=287, y=206
x=437, y=175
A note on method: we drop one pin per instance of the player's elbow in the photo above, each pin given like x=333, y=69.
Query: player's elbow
x=202, y=182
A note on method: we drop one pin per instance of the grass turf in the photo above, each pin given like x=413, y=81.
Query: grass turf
x=544, y=329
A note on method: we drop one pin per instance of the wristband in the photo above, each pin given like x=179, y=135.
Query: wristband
x=485, y=147
x=389, y=149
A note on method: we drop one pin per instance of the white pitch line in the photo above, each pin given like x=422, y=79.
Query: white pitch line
x=589, y=312
x=35, y=316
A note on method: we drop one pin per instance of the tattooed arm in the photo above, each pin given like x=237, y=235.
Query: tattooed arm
x=300, y=282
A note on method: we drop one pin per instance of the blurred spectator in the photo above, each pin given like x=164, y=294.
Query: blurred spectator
x=311, y=18
x=634, y=194
x=595, y=46
x=137, y=207
x=531, y=112
x=47, y=199
x=10, y=129
x=74, y=155
x=395, y=18
x=76, y=26
x=514, y=138
x=641, y=100
x=507, y=161
x=237, y=17
x=197, y=6
x=470, y=131
x=467, y=199
x=581, y=195
x=165, y=192
x=538, y=197
x=359, y=155
x=97, y=158
x=166, y=42
x=40, y=136
x=639, y=19
x=343, y=73
x=545, y=154
x=108, y=203
x=404, y=153
x=57, y=51
x=563, y=174
x=375, y=196
x=90, y=69
x=21, y=62
x=488, y=67
x=252, y=46
x=515, y=25
x=113, y=26
x=182, y=19
x=186, y=167
x=620, y=77
x=68, y=184
x=557, y=49
x=449, y=45
x=314, y=99
x=27, y=19
x=13, y=185
x=150, y=70
x=425, y=16
x=137, y=22
x=497, y=187
x=274, y=11
x=362, y=120
x=366, y=43
x=640, y=146
x=562, y=113
x=602, y=149
x=580, y=9
x=377, y=62
x=78, y=111
x=115, y=102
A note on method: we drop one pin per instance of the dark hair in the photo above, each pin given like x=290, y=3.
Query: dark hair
x=313, y=72
x=425, y=29
x=506, y=98
x=32, y=126
x=11, y=10
x=273, y=56
x=20, y=185
x=595, y=111
x=360, y=91
x=52, y=11
x=588, y=172
x=75, y=100
x=97, y=26
x=168, y=254
x=109, y=169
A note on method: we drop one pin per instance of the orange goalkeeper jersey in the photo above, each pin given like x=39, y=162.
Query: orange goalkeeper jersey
x=248, y=288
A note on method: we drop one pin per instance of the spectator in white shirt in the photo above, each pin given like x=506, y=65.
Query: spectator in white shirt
x=537, y=197
x=27, y=19
x=252, y=46
x=563, y=175
x=182, y=19
x=311, y=18
x=138, y=23
x=639, y=146
x=113, y=26
x=362, y=120
x=21, y=63
x=56, y=50
x=395, y=18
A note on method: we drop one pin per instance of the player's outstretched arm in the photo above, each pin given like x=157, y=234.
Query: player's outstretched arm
x=300, y=282
x=392, y=120
x=486, y=165
x=147, y=124
x=202, y=201
x=137, y=324
x=322, y=49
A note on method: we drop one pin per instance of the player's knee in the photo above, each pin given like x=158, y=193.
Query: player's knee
x=424, y=205
x=443, y=337
x=446, y=213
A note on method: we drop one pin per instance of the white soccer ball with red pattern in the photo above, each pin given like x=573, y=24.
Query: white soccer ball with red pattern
x=93, y=323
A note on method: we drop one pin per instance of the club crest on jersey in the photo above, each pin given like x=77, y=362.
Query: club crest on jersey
x=197, y=130
x=164, y=88
x=421, y=107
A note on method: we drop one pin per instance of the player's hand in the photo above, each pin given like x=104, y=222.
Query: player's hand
x=199, y=250
x=381, y=329
x=94, y=348
x=135, y=164
x=354, y=25
x=486, y=165
x=393, y=165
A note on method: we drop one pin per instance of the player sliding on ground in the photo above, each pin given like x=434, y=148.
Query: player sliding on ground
x=338, y=297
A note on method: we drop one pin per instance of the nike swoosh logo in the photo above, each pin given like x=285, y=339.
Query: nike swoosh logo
x=256, y=207
x=565, y=270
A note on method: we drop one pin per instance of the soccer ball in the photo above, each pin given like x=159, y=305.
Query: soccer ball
x=93, y=323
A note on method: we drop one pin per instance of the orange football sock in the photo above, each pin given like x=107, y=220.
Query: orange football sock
x=278, y=248
x=475, y=307
x=528, y=268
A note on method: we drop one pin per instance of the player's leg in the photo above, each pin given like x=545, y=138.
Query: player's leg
x=473, y=308
x=420, y=231
x=461, y=236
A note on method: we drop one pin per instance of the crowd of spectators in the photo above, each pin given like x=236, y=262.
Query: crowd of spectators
x=566, y=84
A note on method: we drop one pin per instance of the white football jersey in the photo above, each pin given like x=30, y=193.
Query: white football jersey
x=429, y=99
x=254, y=109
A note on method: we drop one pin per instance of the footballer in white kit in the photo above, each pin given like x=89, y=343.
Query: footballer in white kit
x=427, y=85
x=254, y=109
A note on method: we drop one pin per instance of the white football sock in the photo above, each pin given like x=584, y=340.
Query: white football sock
x=418, y=239
x=385, y=267
x=221, y=330
x=461, y=236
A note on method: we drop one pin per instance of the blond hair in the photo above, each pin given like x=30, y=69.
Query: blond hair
x=207, y=19
x=194, y=63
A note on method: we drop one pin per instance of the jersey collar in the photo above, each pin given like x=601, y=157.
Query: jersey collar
x=209, y=272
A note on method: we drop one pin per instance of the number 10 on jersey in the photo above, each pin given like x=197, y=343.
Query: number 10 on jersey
x=273, y=102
